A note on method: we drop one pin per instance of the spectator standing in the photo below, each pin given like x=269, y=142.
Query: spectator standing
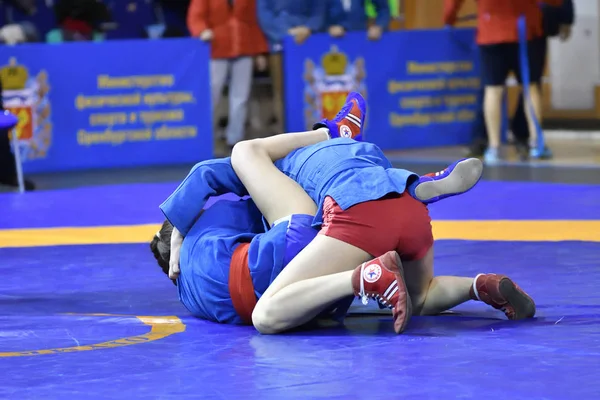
x=232, y=28
x=278, y=19
x=351, y=15
x=498, y=40
x=556, y=22
x=8, y=171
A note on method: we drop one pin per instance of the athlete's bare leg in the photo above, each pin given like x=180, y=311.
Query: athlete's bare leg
x=275, y=195
x=432, y=295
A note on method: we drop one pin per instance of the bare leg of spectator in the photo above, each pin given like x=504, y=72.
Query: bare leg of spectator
x=537, y=55
x=536, y=101
x=239, y=93
x=492, y=108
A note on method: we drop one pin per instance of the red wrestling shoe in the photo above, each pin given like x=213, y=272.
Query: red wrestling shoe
x=502, y=293
x=350, y=121
x=382, y=279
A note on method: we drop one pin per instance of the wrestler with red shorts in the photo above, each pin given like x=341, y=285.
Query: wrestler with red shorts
x=381, y=233
x=367, y=220
x=224, y=257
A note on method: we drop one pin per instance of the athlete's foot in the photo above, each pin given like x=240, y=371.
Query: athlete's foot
x=349, y=122
x=382, y=279
x=502, y=293
x=458, y=178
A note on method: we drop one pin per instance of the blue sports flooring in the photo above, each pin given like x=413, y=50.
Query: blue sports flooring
x=138, y=204
x=103, y=322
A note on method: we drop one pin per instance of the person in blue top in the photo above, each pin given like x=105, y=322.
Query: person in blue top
x=298, y=18
x=351, y=15
x=278, y=19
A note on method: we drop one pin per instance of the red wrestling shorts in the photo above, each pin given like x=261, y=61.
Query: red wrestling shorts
x=394, y=222
x=241, y=288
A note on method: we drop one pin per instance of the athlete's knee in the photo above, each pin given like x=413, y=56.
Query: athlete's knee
x=418, y=302
x=265, y=320
x=418, y=296
x=244, y=151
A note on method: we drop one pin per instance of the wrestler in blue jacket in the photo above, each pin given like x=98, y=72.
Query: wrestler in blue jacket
x=211, y=239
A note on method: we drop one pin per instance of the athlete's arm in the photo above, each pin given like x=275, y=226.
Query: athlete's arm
x=275, y=195
x=184, y=206
x=176, y=243
x=206, y=179
x=275, y=147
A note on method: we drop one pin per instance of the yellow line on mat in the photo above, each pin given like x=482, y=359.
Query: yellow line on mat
x=530, y=231
x=463, y=230
x=160, y=327
x=78, y=235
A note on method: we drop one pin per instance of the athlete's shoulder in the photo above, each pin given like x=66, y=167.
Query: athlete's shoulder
x=340, y=144
x=324, y=153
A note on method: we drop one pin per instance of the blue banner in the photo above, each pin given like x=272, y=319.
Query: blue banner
x=112, y=104
x=422, y=87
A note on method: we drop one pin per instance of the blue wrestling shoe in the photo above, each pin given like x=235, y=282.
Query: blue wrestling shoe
x=349, y=122
x=458, y=178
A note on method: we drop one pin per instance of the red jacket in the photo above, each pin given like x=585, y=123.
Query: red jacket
x=497, y=19
x=235, y=27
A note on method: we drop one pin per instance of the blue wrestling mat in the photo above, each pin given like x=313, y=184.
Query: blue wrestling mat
x=85, y=312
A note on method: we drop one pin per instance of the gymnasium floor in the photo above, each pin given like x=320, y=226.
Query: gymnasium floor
x=85, y=313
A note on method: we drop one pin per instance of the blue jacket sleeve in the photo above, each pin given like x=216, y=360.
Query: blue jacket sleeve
x=383, y=13
x=206, y=179
x=269, y=23
x=316, y=20
x=567, y=14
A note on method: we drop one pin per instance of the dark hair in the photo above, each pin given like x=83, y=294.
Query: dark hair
x=161, y=247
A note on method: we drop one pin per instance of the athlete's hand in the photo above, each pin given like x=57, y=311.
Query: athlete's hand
x=176, y=242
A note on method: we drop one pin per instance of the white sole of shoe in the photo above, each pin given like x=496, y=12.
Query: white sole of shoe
x=462, y=179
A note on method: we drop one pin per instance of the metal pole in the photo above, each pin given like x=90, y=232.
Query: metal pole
x=15, y=141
